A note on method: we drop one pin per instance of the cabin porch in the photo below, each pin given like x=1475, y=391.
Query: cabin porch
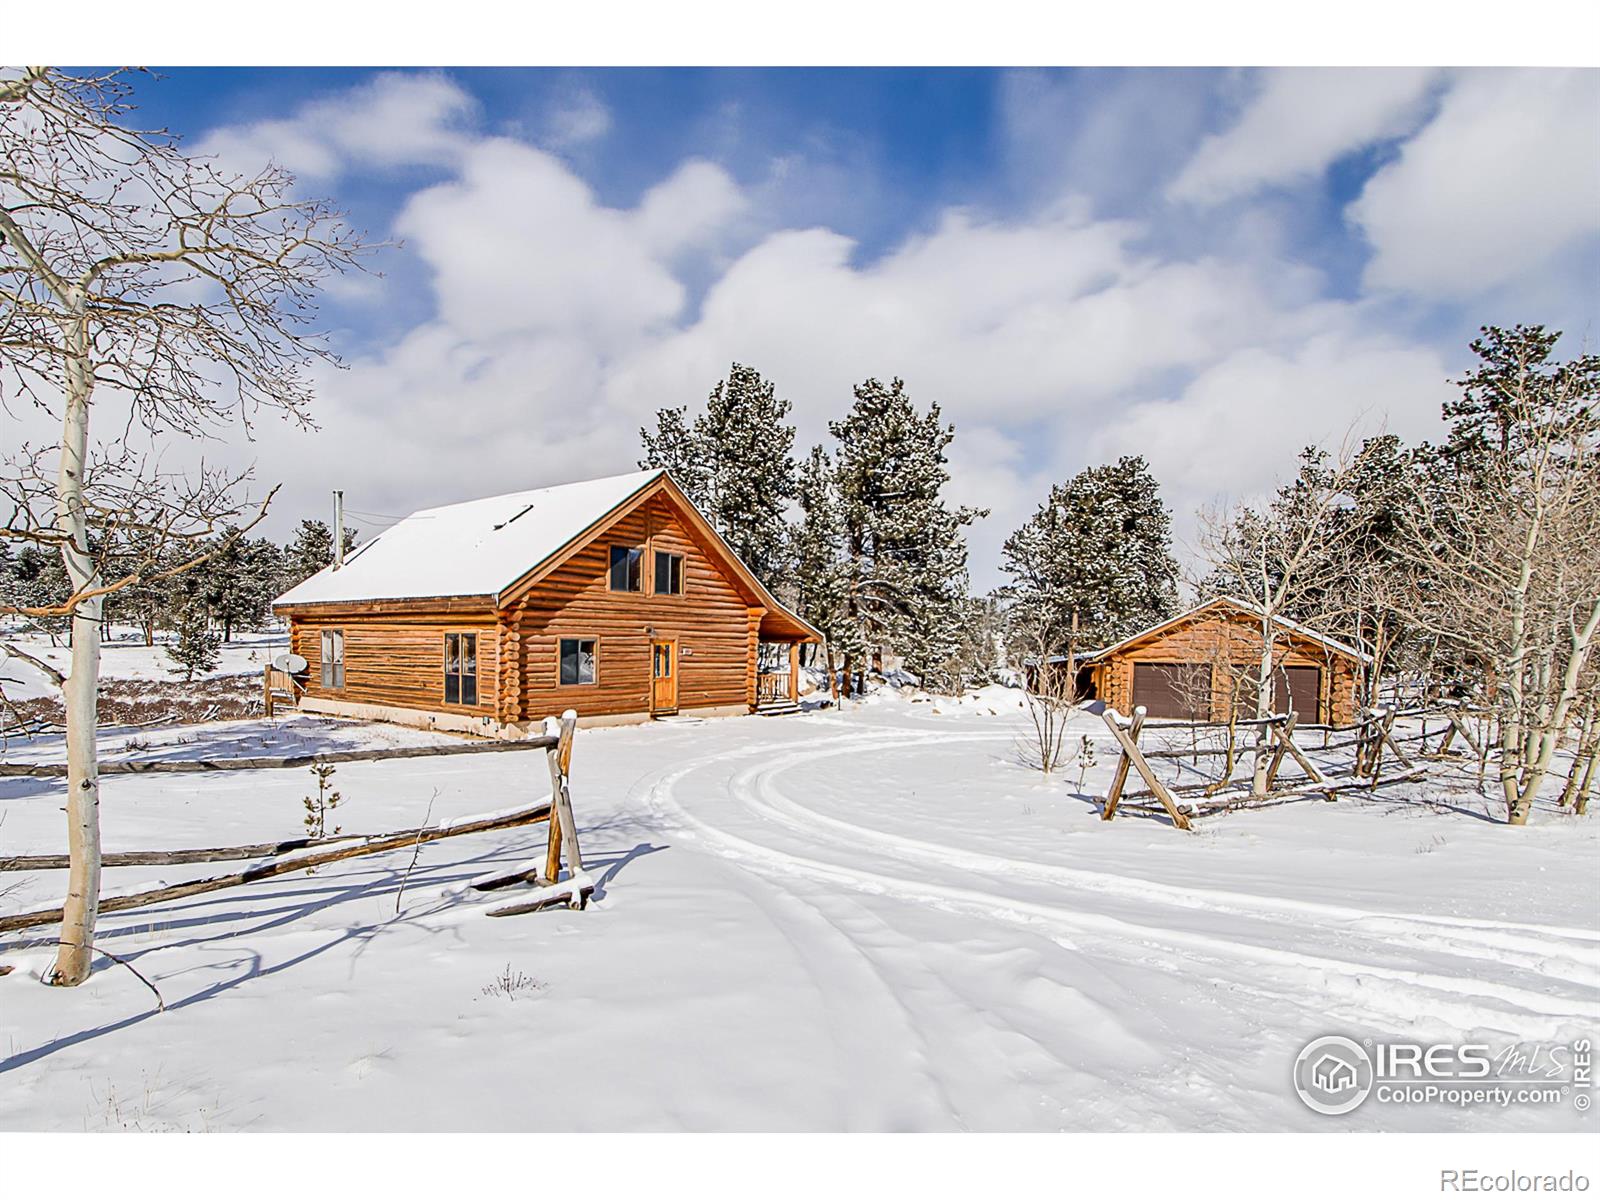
x=778, y=677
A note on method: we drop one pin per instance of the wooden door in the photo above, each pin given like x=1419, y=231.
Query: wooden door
x=663, y=676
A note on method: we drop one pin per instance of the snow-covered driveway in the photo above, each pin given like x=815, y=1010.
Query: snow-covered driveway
x=873, y=920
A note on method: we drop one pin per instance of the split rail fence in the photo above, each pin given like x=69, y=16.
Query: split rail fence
x=1267, y=757
x=271, y=859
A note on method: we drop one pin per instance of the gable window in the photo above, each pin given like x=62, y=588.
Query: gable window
x=577, y=661
x=669, y=574
x=461, y=668
x=333, y=658
x=626, y=568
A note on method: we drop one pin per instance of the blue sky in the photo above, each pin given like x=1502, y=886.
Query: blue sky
x=1210, y=267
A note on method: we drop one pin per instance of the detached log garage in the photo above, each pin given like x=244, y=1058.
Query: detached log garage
x=1198, y=663
x=614, y=597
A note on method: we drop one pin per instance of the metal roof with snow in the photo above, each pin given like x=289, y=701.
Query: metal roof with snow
x=476, y=548
x=481, y=548
x=1255, y=610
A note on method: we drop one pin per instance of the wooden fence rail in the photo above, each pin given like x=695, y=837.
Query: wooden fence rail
x=557, y=744
x=186, y=766
x=1274, y=744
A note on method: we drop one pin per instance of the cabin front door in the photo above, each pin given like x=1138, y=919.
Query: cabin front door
x=663, y=677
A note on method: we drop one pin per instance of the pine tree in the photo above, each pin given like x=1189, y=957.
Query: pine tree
x=237, y=583
x=735, y=461
x=195, y=647
x=309, y=552
x=37, y=578
x=904, y=575
x=1100, y=547
x=815, y=546
x=678, y=446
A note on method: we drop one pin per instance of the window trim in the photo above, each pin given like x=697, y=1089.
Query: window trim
x=324, y=662
x=611, y=567
x=578, y=637
x=444, y=664
x=655, y=572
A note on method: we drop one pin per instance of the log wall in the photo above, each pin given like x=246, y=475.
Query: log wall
x=1231, y=643
x=710, y=620
x=398, y=659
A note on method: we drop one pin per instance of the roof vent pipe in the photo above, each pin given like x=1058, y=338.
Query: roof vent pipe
x=338, y=530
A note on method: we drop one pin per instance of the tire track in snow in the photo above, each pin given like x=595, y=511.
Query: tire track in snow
x=1466, y=939
x=1463, y=1002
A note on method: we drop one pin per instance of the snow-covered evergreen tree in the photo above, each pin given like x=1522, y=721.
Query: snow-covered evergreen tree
x=904, y=583
x=309, y=551
x=237, y=584
x=1100, y=546
x=815, y=547
x=736, y=462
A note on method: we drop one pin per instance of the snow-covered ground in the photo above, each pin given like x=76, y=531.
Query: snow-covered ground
x=124, y=655
x=874, y=919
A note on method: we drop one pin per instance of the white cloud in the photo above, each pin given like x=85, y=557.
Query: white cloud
x=1502, y=181
x=394, y=119
x=1051, y=338
x=519, y=243
x=689, y=208
x=1234, y=429
x=578, y=118
x=1301, y=120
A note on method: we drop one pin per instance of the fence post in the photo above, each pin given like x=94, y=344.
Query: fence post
x=1130, y=750
x=562, y=828
x=1280, y=730
x=1119, y=777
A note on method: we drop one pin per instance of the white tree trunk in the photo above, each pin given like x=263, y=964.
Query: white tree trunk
x=81, y=690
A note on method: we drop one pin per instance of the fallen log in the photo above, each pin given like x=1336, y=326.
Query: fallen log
x=377, y=844
x=182, y=766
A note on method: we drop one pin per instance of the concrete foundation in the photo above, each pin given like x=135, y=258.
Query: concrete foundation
x=455, y=722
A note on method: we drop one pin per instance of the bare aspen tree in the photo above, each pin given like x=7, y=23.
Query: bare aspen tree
x=139, y=278
x=1513, y=553
x=1050, y=693
x=1286, y=559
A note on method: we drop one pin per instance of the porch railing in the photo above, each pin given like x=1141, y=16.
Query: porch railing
x=772, y=685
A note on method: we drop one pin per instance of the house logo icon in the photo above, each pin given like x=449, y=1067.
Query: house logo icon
x=1333, y=1075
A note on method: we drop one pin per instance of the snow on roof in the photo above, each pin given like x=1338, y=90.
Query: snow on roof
x=478, y=548
x=1247, y=606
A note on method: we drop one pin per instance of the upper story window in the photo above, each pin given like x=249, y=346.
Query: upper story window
x=333, y=658
x=461, y=668
x=669, y=574
x=626, y=568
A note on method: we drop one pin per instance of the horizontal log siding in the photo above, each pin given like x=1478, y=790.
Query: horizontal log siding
x=1213, y=639
x=399, y=660
x=710, y=620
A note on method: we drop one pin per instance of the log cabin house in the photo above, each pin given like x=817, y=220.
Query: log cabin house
x=614, y=597
x=1194, y=665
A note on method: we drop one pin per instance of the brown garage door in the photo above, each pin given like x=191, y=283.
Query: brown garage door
x=1174, y=690
x=1299, y=689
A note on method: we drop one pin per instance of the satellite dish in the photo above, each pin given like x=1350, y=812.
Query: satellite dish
x=290, y=664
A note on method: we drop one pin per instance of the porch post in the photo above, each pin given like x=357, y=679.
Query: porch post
x=794, y=672
x=753, y=659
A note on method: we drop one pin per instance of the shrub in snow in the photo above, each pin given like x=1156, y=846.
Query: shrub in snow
x=319, y=806
x=195, y=647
